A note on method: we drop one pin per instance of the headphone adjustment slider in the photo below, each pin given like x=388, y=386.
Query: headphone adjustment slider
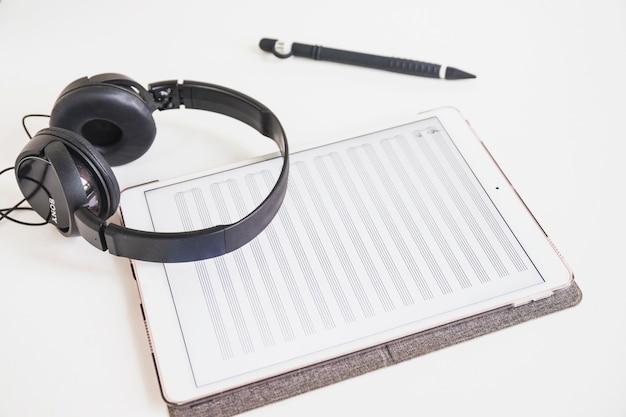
x=166, y=95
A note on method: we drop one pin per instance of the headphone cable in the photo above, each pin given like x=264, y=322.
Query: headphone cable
x=5, y=212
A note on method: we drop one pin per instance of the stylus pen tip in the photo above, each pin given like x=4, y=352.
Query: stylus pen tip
x=456, y=74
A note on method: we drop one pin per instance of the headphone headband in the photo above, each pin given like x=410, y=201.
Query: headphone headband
x=217, y=99
x=204, y=243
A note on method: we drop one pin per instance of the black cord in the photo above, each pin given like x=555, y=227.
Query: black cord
x=4, y=212
x=24, y=123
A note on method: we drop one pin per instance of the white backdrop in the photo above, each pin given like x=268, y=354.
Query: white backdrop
x=549, y=103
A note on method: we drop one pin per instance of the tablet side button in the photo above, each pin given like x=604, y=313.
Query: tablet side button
x=132, y=269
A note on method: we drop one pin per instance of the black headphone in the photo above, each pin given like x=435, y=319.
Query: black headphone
x=64, y=171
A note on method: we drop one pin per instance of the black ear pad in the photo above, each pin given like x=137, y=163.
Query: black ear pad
x=69, y=176
x=115, y=119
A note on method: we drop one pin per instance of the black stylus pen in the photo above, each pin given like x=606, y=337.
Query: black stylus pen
x=284, y=49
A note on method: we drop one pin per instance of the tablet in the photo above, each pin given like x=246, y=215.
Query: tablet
x=379, y=237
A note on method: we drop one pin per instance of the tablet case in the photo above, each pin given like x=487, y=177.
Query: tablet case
x=306, y=379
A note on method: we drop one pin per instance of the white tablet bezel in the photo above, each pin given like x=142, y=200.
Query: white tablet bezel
x=173, y=368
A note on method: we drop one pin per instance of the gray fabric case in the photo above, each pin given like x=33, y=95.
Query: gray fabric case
x=306, y=379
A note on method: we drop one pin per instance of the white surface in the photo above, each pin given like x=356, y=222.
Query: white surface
x=548, y=101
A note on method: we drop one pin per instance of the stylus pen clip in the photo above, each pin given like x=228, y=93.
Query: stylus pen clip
x=283, y=49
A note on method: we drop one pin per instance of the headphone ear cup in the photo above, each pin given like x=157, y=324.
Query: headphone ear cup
x=114, y=119
x=99, y=190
